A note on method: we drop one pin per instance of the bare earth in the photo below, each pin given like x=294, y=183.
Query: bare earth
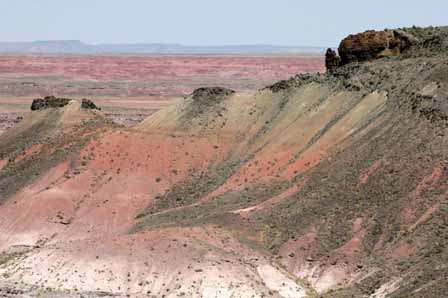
x=324, y=185
x=130, y=88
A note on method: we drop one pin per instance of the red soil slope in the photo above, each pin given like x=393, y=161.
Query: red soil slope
x=320, y=185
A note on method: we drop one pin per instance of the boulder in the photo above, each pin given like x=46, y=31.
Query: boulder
x=89, y=105
x=371, y=45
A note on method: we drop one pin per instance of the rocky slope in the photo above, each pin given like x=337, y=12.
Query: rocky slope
x=328, y=185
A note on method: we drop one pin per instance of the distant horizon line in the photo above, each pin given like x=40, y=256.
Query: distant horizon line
x=161, y=43
x=80, y=47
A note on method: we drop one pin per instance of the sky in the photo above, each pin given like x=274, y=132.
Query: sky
x=211, y=22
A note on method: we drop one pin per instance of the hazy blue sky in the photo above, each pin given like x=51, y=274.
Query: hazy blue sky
x=211, y=22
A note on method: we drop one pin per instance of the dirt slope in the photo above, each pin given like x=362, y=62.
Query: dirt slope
x=320, y=186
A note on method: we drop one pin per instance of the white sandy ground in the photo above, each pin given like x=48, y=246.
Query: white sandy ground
x=280, y=282
x=169, y=263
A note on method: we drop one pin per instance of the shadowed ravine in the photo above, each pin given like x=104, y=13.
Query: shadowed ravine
x=325, y=185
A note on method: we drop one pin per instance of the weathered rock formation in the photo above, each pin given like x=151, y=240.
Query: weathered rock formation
x=368, y=46
x=372, y=45
x=211, y=92
x=89, y=105
x=332, y=60
x=58, y=102
x=49, y=102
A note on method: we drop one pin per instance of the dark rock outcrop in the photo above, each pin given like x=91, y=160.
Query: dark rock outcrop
x=210, y=92
x=280, y=86
x=295, y=82
x=208, y=96
x=88, y=104
x=205, y=100
x=57, y=102
x=371, y=45
x=49, y=102
x=332, y=60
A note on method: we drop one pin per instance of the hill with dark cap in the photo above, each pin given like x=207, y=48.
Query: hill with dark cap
x=326, y=185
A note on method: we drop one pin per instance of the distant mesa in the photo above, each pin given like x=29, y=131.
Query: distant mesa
x=59, y=102
x=79, y=47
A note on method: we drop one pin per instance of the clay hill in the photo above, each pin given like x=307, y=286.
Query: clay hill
x=326, y=185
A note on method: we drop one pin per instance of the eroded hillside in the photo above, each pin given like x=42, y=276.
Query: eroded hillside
x=330, y=185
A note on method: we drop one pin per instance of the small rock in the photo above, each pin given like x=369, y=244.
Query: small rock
x=88, y=104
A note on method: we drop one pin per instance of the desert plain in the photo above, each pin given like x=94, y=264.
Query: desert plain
x=130, y=88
